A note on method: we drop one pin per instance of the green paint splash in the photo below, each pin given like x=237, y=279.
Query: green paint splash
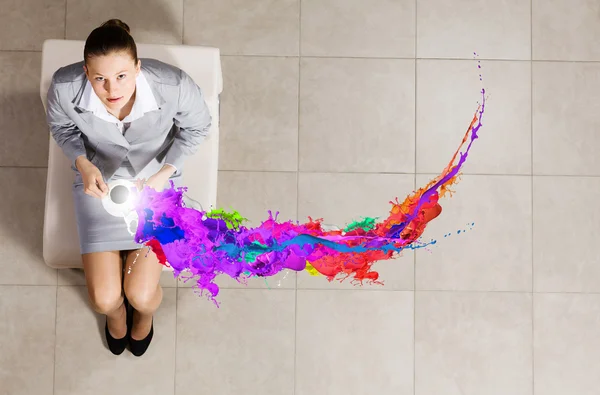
x=365, y=224
x=233, y=219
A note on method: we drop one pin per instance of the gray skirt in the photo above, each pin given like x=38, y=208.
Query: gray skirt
x=98, y=230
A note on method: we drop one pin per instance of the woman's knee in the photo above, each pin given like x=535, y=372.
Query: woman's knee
x=144, y=299
x=103, y=272
x=105, y=300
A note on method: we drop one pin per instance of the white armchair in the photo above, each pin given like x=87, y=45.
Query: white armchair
x=203, y=64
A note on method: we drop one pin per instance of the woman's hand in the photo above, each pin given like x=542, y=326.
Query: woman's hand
x=158, y=180
x=155, y=182
x=93, y=182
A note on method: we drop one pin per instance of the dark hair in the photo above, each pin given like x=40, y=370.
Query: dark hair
x=112, y=36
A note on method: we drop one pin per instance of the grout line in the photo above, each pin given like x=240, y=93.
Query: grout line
x=182, y=21
x=371, y=173
x=403, y=173
x=406, y=58
x=451, y=291
x=66, y=5
x=366, y=173
x=415, y=252
x=365, y=58
x=502, y=175
x=20, y=50
x=294, y=363
x=356, y=288
x=532, y=206
x=361, y=289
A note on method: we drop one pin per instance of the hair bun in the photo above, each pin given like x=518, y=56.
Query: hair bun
x=117, y=22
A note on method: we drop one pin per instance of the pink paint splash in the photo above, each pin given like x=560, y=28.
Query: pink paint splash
x=208, y=244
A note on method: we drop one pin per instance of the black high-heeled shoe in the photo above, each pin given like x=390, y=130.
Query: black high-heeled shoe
x=139, y=347
x=117, y=346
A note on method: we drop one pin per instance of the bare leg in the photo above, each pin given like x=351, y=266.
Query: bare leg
x=142, y=288
x=103, y=274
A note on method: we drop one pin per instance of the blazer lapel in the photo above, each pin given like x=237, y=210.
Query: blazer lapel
x=141, y=127
x=104, y=130
x=150, y=121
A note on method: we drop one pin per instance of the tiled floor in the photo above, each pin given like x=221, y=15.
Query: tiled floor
x=332, y=108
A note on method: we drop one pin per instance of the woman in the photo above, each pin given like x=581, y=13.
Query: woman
x=116, y=117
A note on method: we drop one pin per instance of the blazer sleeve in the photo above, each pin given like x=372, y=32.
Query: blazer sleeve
x=193, y=120
x=66, y=134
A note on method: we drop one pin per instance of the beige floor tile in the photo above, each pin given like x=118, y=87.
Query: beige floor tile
x=565, y=121
x=357, y=115
x=156, y=22
x=260, y=27
x=473, y=343
x=457, y=29
x=380, y=28
x=254, y=194
x=354, y=343
x=27, y=317
x=259, y=114
x=565, y=30
x=85, y=366
x=244, y=346
x=566, y=344
x=22, y=213
x=342, y=198
x=25, y=24
x=24, y=131
x=566, y=213
x=448, y=94
x=492, y=252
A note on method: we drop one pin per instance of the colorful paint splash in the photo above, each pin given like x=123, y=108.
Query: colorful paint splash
x=206, y=244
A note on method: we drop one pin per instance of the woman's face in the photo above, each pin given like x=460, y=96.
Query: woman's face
x=113, y=78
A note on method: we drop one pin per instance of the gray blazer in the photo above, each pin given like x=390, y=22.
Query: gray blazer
x=166, y=135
